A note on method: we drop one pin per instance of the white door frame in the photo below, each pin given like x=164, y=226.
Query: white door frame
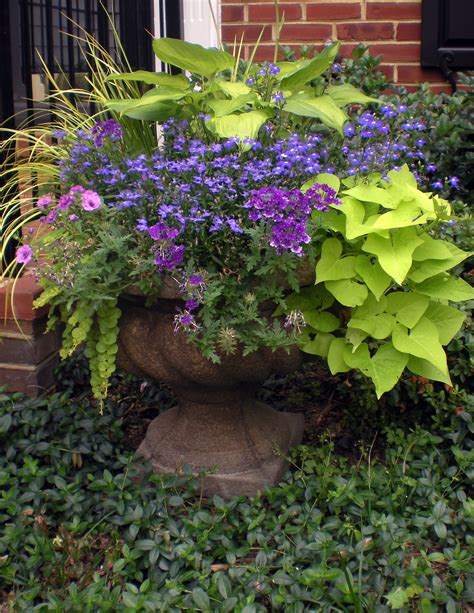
x=198, y=25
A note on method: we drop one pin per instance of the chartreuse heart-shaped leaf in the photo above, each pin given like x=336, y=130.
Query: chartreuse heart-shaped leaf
x=384, y=368
x=431, y=249
x=394, y=253
x=331, y=266
x=372, y=275
x=348, y=94
x=319, y=345
x=370, y=307
x=354, y=336
x=406, y=214
x=422, y=341
x=371, y=193
x=308, y=298
x=447, y=319
x=379, y=326
x=153, y=78
x=243, y=125
x=322, y=321
x=192, y=57
x=445, y=287
x=323, y=178
x=430, y=268
x=354, y=212
x=310, y=69
x=403, y=177
x=335, y=357
x=408, y=307
x=347, y=292
x=425, y=369
x=323, y=108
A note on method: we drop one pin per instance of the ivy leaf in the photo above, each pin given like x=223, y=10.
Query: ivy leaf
x=347, y=292
x=425, y=369
x=422, y=342
x=394, y=253
x=373, y=275
x=335, y=358
x=447, y=319
x=331, y=266
x=322, y=321
x=445, y=287
x=408, y=307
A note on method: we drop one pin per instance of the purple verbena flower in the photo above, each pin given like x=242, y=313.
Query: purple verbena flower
x=43, y=202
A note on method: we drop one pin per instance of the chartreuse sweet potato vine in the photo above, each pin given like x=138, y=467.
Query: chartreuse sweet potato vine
x=381, y=300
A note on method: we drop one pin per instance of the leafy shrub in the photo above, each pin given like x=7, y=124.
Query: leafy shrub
x=80, y=533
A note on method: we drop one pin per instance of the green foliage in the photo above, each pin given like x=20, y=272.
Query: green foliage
x=235, y=109
x=397, y=295
x=79, y=532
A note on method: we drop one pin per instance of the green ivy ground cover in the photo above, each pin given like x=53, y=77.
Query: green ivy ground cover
x=384, y=531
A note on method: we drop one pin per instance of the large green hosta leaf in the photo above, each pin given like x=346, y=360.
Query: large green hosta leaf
x=244, y=125
x=153, y=111
x=348, y=94
x=191, y=57
x=153, y=78
x=323, y=108
x=221, y=108
x=310, y=69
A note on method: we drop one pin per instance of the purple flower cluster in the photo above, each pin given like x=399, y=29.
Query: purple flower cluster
x=287, y=213
x=106, y=129
x=378, y=142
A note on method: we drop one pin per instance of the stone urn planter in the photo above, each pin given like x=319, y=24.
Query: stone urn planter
x=217, y=422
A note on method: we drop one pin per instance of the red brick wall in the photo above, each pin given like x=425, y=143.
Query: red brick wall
x=391, y=29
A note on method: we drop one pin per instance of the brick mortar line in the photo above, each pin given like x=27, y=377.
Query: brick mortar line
x=28, y=367
x=15, y=335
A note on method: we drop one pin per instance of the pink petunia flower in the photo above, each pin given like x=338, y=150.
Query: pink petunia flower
x=24, y=254
x=90, y=200
x=44, y=202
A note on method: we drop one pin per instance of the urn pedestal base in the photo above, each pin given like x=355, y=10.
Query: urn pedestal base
x=244, y=447
x=217, y=423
